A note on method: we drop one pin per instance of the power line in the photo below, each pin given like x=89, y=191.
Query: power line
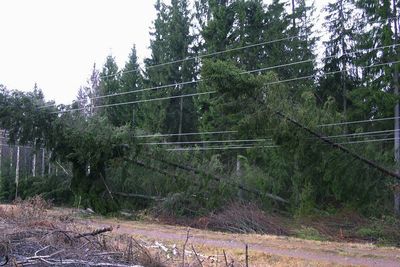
x=207, y=55
x=357, y=122
x=326, y=57
x=184, y=134
x=274, y=146
x=353, y=135
x=217, y=148
x=227, y=50
x=207, y=142
x=367, y=141
x=134, y=91
x=136, y=102
x=372, y=133
x=211, y=92
x=246, y=72
x=330, y=73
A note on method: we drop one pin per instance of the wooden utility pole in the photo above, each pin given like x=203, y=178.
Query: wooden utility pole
x=396, y=115
x=180, y=119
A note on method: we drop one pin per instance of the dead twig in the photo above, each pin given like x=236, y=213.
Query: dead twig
x=226, y=260
x=247, y=255
x=197, y=256
x=184, y=247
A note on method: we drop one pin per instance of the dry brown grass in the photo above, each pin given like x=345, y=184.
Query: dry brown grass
x=245, y=218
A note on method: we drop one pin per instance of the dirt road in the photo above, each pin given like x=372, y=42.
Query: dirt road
x=264, y=250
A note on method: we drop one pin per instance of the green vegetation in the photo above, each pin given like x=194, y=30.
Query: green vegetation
x=263, y=153
x=310, y=234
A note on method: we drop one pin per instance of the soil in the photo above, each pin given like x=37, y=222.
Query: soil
x=314, y=253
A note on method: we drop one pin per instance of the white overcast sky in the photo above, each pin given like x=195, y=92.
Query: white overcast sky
x=55, y=42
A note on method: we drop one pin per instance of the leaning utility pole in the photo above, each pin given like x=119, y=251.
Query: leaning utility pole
x=396, y=119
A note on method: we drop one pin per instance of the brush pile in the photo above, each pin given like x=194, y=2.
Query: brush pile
x=31, y=237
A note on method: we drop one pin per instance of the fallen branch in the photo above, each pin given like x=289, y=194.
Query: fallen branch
x=105, y=184
x=95, y=232
x=219, y=179
x=138, y=196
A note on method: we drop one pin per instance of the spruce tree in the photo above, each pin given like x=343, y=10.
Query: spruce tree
x=86, y=98
x=339, y=53
x=377, y=33
x=171, y=41
x=109, y=85
x=131, y=80
x=302, y=47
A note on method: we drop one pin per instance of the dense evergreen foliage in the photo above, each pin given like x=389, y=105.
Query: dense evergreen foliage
x=265, y=84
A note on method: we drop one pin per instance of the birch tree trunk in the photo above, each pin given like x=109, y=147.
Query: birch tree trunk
x=34, y=160
x=43, y=160
x=11, y=157
x=17, y=173
x=49, y=170
x=34, y=164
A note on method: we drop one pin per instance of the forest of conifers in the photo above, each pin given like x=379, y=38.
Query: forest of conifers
x=238, y=101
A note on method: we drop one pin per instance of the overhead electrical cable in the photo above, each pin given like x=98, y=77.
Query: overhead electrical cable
x=207, y=142
x=138, y=101
x=357, y=122
x=184, y=134
x=247, y=72
x=227, y=51
x=212, y=92
x=272, y=146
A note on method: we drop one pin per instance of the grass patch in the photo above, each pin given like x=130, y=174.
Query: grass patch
x=383, y=231
x=309, y=233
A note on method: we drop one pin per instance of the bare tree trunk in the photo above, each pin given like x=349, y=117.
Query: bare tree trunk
x=11, y=157
x=239, y=174
x=17, y=173
x=49, y=170
x=34, y=160
x=397, y=199
x=1, y=154
x=34, y=164
x=43, y=162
